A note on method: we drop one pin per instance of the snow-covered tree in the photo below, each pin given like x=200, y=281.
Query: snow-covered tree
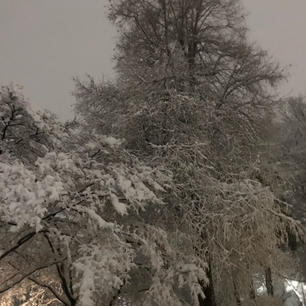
x=88, y=214
x=193, y=95
x=158, y=193
x=238, y=223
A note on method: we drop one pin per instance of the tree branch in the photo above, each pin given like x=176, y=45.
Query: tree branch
x=29, y=274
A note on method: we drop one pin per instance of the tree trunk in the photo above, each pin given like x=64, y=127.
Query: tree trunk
x=209, y=292
x=269, y=282
x=236, y=293
x=252, y=293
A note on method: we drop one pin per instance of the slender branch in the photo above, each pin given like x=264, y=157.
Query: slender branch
x=19, y=243
x=61, y=275
x=35, y=281
x=29, y=274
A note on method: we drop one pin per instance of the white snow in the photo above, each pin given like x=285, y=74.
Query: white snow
x=120, y=207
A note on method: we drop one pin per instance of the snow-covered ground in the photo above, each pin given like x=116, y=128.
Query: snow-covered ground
x=291, y=292
x=298, y=288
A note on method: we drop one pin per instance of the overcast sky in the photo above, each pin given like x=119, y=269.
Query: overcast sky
x=44, y=43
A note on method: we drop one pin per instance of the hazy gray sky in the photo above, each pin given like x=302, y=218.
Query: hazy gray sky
x=43, y=43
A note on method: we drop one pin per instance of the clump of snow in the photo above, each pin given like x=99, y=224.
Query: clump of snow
x=26, y=195
x=133, y=188
x=87, y=284
x=111, y=141
x=105, y=267
x=121, y=208
x=94, y=216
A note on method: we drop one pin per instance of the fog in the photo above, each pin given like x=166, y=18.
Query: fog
x=44, y=43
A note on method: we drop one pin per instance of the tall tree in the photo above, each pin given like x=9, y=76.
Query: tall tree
x=195, y=48
x=193, y=94
x=188, y=45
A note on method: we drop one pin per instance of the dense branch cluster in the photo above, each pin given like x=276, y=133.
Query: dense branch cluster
x=86, y=206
